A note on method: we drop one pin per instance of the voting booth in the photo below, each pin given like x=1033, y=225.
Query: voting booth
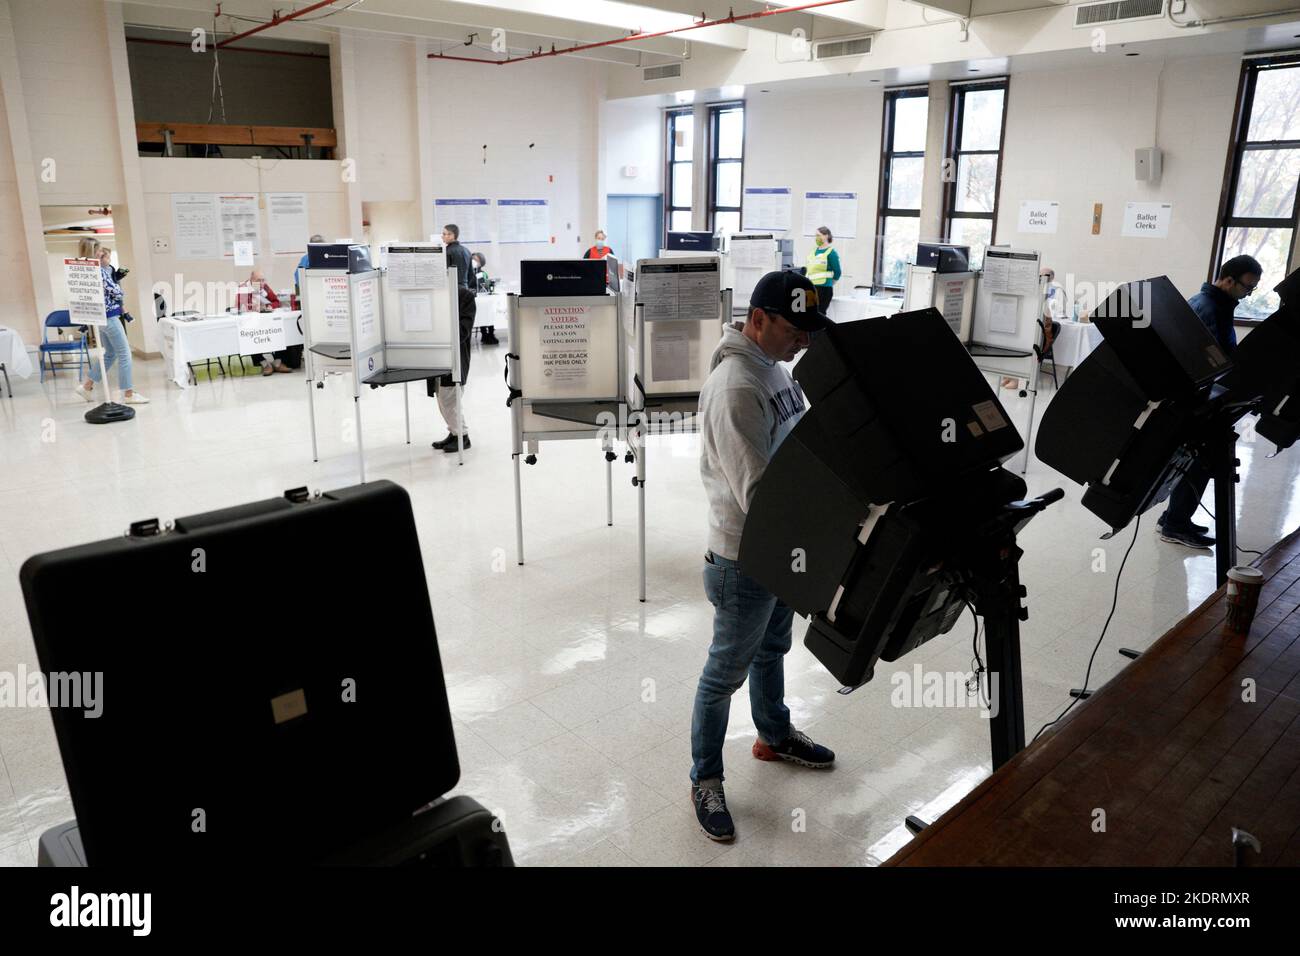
x=682, y=309
x=1004, y=327
x=951, y=293
x=389, y=326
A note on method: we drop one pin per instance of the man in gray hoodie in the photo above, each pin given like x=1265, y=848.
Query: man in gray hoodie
x=747, y=407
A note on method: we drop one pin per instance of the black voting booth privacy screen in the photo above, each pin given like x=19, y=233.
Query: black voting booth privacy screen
x=282, y=680
x=1267, y=364
x=909, y=464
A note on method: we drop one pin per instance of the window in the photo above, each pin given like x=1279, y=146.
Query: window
x=726, y=165
x=1258, y=213
x=680, y=150
x=970, y=195
x=902, y=170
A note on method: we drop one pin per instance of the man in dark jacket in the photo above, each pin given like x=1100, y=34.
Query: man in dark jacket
x=1215, y=305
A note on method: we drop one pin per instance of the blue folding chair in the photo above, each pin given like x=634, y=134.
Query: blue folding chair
x=61, y=320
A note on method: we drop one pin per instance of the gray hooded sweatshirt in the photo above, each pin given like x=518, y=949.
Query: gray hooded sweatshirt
x=748, y=405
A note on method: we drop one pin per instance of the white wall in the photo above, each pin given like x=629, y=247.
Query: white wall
x=326, y=211
x=632, y=134
x=1070, y=137
x=388, y=152
x=785, y=146
x=540, y=121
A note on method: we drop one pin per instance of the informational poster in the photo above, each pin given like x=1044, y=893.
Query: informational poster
x=1012, y=273
x=239, y=222
x=766, y=207
x=566, y=343
x=838, y=212
x=1147, y=220
x=472, y=216
x=954, y=301
x=337, y=306
x=752, y=252
x=260, y=333
x=85, y=291
x=196, y=233
x=1004, y=311
x=243, y=253
x=1038, y=215
x=683, y=289
x=417, y=311
x=367, y=313
x=670, y=355
x=417, y=267
x=289, y=226
x=523, y=220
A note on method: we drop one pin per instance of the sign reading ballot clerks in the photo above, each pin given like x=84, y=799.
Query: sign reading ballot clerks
x=1038, y=215
x=261, y=333
x=1147, y=220
x=566, y=342
x=85, y=291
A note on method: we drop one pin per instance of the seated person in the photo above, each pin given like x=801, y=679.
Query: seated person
x=257, y=296
x=483, y=284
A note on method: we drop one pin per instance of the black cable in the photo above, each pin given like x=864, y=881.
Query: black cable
x=1114, y=603
x=1239, y=547
x=979, y=669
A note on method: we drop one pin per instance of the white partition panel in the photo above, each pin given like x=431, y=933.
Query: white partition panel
x=569, y=348
x=367, y=324
x=326, y=307
x=421, y=310
x=1009, y=301
x=681, y=305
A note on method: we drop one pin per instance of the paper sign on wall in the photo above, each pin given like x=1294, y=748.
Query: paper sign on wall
x=766, y=207
x=838, y=212
x=523, y=220
x=85, y=291
x=195, y=231
x=239, y=223
x=287, y=213
x=1148, y=220
x=1038, y=215
x=260, y=333
x=243, y=253
x=566, y=343
x=473, y=216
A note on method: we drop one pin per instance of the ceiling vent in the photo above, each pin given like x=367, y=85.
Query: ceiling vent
x=1092, y=14
x=843, y=46
x=663, y=72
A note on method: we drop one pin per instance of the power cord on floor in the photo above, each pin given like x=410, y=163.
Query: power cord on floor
x=1239, y=547
x=1114, y=603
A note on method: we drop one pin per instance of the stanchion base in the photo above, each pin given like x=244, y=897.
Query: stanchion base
x=110, y=412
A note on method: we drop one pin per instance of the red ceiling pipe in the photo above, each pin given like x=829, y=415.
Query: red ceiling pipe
x=721, y=21
x=233, y=49
x=275, y=21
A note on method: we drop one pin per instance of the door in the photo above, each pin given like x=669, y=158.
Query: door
x=635, y=227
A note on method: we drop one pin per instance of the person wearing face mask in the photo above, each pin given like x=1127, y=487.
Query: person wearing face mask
x=824, y=267
x=1215, y=305
x=599, y=250
x=748, y=405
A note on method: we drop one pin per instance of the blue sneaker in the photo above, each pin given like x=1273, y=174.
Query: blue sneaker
x=711, y=810
x=797, y=748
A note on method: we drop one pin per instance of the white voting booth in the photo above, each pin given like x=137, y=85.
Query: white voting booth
x=1004, y=332
x=587, y=367
x=952, y=293
x=389, y=326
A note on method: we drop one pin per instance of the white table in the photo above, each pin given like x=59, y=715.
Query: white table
x=849, y=308
x=13, y=353
x=490, y=308
x=1075, y=343
x=210, y=337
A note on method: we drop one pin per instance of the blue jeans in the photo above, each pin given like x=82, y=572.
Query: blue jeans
x=751, y=635
x=116, y=349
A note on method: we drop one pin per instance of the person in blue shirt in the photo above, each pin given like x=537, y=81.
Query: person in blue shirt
x=302, y=264
x=1215, y=305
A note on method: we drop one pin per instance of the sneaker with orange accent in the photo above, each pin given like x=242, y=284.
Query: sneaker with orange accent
x=797, y=748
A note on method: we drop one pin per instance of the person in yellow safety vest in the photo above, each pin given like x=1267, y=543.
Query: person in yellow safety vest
x=823, y=267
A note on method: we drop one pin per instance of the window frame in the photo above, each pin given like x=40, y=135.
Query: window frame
x=1238, y=146
x=953, y=151
x=714, y=162
x=887, y=155
x=670, y=117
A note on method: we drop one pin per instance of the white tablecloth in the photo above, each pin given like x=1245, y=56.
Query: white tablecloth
x=849, y=308
x=490, y=308
x=212, y=336
x=13, y=353
x=1075, y=343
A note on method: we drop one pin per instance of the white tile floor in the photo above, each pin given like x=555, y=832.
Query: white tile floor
x=572, y=699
